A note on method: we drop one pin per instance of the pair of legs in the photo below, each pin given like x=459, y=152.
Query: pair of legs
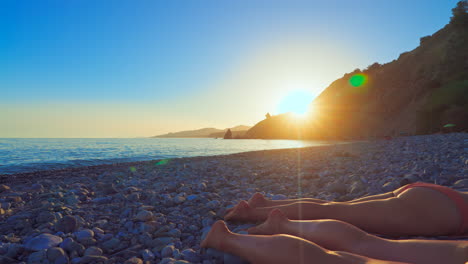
x=280, y=240
x=416, y=211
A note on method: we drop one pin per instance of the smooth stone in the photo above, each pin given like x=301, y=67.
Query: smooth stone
x=37, y=187
x=70, y=245
x=190, y=255
x=149, y=226
x=54, y=253
x=205, y=232
x=214, y=204
x=4, y=188
x=45, y=217
x=463, y=183
x=192, y=197
x=106, y=188
x=409, y=178
x=43, y=241
x=179, y=199
x=92, y=259
x=62, y=260
x=102, y=200
x=174, y=233
x=67, y=224
x=111, y=244
x=6, y=205
x=14, y=250
x=147, y=255
x=37, y=257
x=84, y=235
x=72, y=200
x=167, y=251
x=338, y=187
x=134, y=260
x=390, y=186
x=208, y=221
x=176, y=254
x=279, y=197
x=167, y=261
x=93, y=251
x=144, y=216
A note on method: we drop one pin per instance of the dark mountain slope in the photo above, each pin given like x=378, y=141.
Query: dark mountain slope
x=420, y=92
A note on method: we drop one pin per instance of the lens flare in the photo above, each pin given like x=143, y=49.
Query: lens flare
x=162, y=162
x=358, y=80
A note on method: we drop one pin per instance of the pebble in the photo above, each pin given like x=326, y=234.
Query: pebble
x=4, y=188
x=84, y=235
x=147, y=255
x=56, y=254
x=160, y=213
x=190, y=255
x=134, y=260
x=43, y=241
x=93, y=251
x=67, y=224
x=144, y=216
x=167, y=251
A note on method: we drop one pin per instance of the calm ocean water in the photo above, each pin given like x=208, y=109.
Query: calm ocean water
x=27, y=155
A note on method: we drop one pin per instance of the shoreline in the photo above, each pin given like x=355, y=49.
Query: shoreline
x=27, y=162
x=159, y=212
x=105, y=166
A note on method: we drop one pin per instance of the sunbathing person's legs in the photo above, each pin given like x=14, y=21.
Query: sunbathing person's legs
x=259, y=200
x=417, y=211
x=341, y=236
x=259, y=249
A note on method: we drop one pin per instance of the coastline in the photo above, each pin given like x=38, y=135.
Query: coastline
x=159, y=211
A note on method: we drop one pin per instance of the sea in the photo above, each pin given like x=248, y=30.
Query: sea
x=18, y=155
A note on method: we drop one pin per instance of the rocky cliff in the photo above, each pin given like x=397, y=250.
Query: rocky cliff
x=418, y=93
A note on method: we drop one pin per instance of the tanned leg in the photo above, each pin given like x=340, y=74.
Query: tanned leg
x=259, y=200
x=278, y=249
x=418, y=211
x=337, y=235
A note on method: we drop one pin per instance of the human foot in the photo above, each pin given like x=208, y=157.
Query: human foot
x=215, y=237
x=240, y=212
x=272, y=225
x=257, y=200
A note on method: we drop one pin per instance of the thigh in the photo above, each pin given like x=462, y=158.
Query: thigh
x=434, y=209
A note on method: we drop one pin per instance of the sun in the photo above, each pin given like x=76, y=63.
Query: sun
x=296, y=102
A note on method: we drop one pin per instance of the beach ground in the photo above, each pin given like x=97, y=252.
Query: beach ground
x=158, y=211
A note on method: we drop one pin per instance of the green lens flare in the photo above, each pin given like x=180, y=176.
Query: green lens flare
x=162, y=162
x=358, y=80
x=133, y=169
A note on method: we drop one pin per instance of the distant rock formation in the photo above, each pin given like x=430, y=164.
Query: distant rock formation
x=418, y=93
x=228, y=134
x=237, y=131
x=199, y=133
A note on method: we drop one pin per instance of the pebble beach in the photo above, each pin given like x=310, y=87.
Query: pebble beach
x=159, y=211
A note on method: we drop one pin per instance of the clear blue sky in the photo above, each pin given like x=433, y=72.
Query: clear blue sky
x=139, y=68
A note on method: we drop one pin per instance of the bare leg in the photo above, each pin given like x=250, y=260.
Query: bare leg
x=258, y=249
x=337, y=235
x=418, y=211
x=258, y=200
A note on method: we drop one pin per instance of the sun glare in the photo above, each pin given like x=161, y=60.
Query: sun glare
x=297, y=102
